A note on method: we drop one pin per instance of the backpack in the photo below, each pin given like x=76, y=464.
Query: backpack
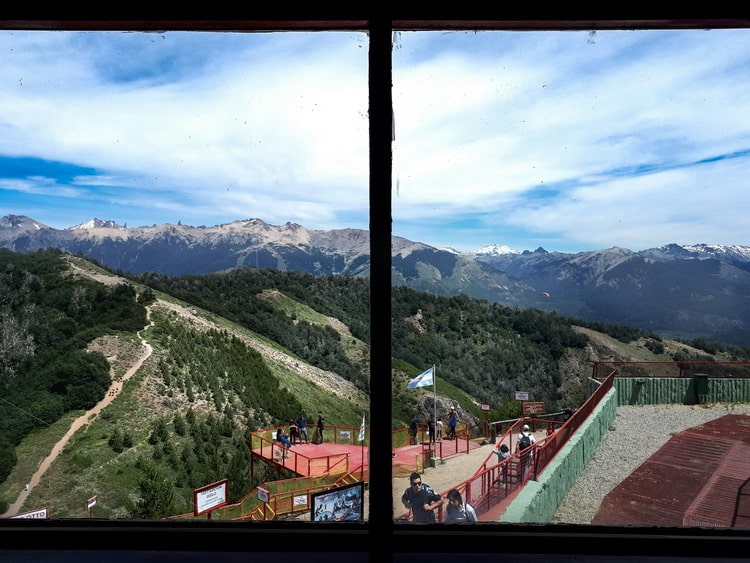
x=524, y=441
x=471, y=513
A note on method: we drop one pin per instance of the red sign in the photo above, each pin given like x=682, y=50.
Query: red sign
x=532, y=408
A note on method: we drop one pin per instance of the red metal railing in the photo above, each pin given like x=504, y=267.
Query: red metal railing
x=263, y=444
x=496, y=481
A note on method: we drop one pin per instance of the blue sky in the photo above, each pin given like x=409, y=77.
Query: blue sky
x=567, y=140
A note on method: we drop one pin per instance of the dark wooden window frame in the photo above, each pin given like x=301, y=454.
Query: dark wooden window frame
x=379, y=539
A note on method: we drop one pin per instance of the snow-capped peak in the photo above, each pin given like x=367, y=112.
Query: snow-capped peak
x=494, y=250
x=96, y=224
x=724, y=250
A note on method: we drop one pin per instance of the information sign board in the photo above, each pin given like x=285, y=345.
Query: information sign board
x=42, y=513
x=263, y=495
x=211, y=497
x=532, y=408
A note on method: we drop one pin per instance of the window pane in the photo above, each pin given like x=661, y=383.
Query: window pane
x=250, y=136
x=567, y=141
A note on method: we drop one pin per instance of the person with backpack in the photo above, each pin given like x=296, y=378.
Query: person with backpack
x=523, y=443
x=421, y=499
x=503, y=452
x=458, y=511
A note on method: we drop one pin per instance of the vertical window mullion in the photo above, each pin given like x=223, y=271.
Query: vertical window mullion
x=380, y=119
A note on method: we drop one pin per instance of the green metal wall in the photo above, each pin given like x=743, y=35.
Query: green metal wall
x=686, y=391
x=537, y=502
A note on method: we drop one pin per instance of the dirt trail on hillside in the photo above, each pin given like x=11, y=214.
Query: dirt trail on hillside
x=114, y=390
x=328, y=380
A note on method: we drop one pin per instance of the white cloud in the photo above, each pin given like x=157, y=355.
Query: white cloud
x=603, y=124
x=571, y=139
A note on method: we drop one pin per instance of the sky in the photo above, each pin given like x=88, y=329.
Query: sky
x=571, y=141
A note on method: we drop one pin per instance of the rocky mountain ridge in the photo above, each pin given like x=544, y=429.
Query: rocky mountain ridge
x=692, y=291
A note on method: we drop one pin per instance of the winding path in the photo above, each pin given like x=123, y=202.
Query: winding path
x=328, y=380
x=86, y=418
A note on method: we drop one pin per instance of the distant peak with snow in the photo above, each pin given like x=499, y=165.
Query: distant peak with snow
x=97, y=224
x=732, y=250
x=494, y=250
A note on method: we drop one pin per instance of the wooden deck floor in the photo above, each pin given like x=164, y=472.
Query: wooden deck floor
x=696, y=479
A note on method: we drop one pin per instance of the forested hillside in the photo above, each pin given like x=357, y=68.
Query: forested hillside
x=237, y=358
x=487, y=350
x=47, y=319
x=180, y=423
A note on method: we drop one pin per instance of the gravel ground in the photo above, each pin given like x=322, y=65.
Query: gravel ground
x=637, y=433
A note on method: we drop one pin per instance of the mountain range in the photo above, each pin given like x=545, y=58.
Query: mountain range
x=696, y=291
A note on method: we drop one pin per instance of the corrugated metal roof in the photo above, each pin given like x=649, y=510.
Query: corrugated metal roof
x=694, y=480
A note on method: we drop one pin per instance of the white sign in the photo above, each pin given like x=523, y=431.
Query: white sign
x=345, y=435
x=485, y=406
x=263, y=495
x=41, y=513
x=300, y=500
x=522, y=395
x=211, y=496
x=91, y=503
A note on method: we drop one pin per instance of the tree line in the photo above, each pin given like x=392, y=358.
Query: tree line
x=483, y=352
x=47, y=318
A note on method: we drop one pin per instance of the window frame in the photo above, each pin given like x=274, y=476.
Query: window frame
x=379, y=538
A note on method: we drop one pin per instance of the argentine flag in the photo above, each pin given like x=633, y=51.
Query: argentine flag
x=362, y=430
x=424, y=379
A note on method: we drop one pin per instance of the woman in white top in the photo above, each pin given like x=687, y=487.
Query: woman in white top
x=457, y=510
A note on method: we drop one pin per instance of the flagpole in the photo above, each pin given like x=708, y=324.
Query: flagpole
x=362, y=460
x=434, y=407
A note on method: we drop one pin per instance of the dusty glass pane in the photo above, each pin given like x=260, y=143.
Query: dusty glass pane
x=216, y=145
x=554, y=144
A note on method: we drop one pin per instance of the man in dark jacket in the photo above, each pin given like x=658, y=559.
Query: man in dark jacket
x=413, y=428
x=421, y=499
x=452, y=423
x=321, y=426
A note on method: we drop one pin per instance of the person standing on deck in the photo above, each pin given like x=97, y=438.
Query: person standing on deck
x=321, y=426
x=302, y=429
x=452, y=423
x=413, y=429
x=431, y=428
x=293, y=432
